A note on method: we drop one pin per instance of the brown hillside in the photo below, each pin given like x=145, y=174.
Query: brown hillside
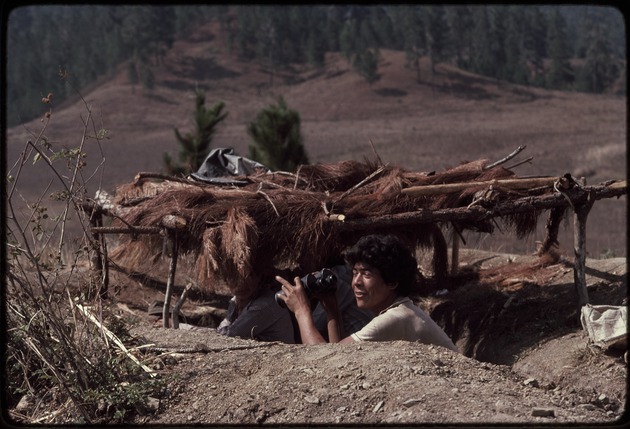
x=444, y=119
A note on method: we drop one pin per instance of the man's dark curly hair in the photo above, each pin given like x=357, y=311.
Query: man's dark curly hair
x=389, y=255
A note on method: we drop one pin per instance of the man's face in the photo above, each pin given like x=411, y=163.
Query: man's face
x=370, y=290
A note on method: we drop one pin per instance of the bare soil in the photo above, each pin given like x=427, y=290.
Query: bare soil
x=525, y=358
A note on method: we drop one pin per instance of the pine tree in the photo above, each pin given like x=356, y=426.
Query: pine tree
x=315, y=49
x=132, y=75
x=196, y=146
x=600, y=67
x=366, y=64
x=498, y=36
x=146, y=75
x=482, y=61
x=460, y=26
x=515, y=65
x=277, y=138
x=534, y=44
x=560, y=74
x=332, y=27
x=348, y=39
x=383, y=28
x=412, y=35
x=436, y=34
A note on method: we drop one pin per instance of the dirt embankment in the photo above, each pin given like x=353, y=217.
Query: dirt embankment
x=525, y=360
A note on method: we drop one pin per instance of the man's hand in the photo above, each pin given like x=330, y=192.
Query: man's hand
x=294, y=296
x=328, y=300
x=297, y=301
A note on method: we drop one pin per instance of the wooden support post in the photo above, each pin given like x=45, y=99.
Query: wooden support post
x=553, y=225
x=579, y=244
x=172, y=224
x=178, y=306
x=173, y=242
x=104, y=266
x=455, y=252
x=100, y=265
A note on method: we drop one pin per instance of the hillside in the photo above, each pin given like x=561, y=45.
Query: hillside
x=445, y=119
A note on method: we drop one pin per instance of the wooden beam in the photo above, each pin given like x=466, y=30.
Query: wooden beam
x=573, y=196
x=447, y=188
x=127, y=230
x=579, y=244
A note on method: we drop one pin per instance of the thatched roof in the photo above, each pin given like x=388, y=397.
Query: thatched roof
x=281, y=220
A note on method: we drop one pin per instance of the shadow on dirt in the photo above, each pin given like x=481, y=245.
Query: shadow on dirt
x=462, y=90
x=493, y=314
x=182, y=85
x=390, y=92
x=494, y=323
x=200, y=69
x=159, y=285
x=158, y=98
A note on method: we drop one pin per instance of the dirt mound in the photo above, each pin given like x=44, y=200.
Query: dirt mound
x=525, y=359
x=238, y=381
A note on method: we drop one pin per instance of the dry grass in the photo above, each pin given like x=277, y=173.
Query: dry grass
x=244, y=236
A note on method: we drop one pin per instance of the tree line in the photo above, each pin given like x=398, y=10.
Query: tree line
x=566, y=47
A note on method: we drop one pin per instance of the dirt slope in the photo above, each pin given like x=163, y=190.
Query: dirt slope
x=543, y=372
x=442, y=120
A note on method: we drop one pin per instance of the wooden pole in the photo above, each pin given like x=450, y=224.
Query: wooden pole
x=579, y=243
x=97, y=267
x=521, y=205
x=172, y=224
x=104, y=266
x=100, y=267
x=552, y=227
x=172, y=238
x=455, y=253
x=178, y=306
x=417, y=191
x=127, y=230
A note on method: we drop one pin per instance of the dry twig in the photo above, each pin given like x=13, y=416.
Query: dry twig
x=506, y=159
x=113, y=337
x=361, y=183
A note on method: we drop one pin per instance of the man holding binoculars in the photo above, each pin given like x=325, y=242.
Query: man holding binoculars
x=383, y=274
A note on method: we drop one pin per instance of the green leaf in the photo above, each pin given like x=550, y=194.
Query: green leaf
x=102, y=134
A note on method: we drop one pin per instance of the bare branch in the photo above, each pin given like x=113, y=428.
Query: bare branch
x=507, y=158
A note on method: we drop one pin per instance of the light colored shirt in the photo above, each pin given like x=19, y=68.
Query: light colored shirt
x=403, y=320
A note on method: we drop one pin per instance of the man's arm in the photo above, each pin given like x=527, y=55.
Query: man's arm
x=334, y=323
x=297, y=301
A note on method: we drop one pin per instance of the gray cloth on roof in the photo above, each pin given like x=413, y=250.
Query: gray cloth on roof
x=221, y=163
